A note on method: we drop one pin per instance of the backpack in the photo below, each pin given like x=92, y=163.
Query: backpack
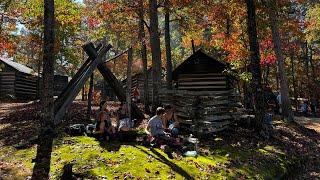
x=76, y=129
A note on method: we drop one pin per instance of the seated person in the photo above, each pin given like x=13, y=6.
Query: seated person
x=124, y=123
x=155, y=125
x=159, y=137
x=104, y=128
x=170, y=121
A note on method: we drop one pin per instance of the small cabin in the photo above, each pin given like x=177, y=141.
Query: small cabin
x=17, y=81
x=201, y=72
x=20, y=82
x=203, y=95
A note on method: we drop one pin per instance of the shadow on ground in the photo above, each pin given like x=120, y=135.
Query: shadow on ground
x=20, y=123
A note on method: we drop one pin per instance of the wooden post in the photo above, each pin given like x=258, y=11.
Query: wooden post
x=115, y=85
x=193, y=47
x=64, y=94
x=90, y=96
x=129, y=81
x=79, y=80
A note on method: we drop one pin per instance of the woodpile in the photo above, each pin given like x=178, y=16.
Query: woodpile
x=203, y=111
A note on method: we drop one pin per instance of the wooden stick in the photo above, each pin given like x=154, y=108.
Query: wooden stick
x=118, y=55
x=80, y=81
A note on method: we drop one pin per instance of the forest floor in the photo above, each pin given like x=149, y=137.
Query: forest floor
x=309, y=122
x=293, y=152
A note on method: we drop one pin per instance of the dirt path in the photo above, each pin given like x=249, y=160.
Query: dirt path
x=309, y=122
x=7, y=108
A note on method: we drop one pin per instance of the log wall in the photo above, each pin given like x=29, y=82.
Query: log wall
x=19, y=85
x=203, y=111
x=7, y=80
x=202, y=82
x=25, y=87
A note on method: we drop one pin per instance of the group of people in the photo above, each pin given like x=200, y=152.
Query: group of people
x=104, y=129
x=161, y=127
x=164, y=126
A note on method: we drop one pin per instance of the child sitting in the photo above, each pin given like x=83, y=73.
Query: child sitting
x=103, y=128
x=124, y=123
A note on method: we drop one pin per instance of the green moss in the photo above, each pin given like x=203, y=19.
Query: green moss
x=115, y=160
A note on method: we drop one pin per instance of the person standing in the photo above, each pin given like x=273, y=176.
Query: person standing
x=304, y=108
x=314, y=105
x=136, y=95
x=279, y=103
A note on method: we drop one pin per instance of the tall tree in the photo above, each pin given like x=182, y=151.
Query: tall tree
x=167, y=42
x=155, y=50
x=284, y=88
x=255, y=65
x=143, y=52
x=42, y=166
x=129, y=81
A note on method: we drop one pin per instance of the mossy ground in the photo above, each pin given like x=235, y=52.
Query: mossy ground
x=115, y=160
x=234, y=154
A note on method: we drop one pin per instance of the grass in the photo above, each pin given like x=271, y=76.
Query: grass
x=116, y=161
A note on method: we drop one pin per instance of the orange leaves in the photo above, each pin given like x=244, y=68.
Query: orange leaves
x=93, y=22
x=108, y=7
x=266, y=52
x=6, y=47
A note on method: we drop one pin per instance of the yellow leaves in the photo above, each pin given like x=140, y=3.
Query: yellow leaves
x=313, y=23
x=195, y=35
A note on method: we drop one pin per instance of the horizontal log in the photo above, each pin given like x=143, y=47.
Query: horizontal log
x=216, y=88
x=26, y=82
x=218, y=118
x=7, y=86
x=211, y=78
x=199, y=75
x=3, y=73
x=25, y=93
x=24, y=89
x=7, y=91
x=27, y=86
x=209, y=130
x=185, y=121
x=8, y=78
x=202, y=83
x=3, y=83
x=216, y=124
x=23, y=76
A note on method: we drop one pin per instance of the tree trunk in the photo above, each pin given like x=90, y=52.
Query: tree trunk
x=258, y=99
x=266, y=78
x=143, y=55
x=306, y=64
x=155, y=50
x=42, y=162
x=168, y=46
x=129, y=80
x=284, y=88
x=293, y=80
x=90, y=96
x=313, y=74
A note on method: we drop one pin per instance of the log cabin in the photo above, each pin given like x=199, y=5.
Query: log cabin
x=203, y=96
x=20, y=82
x=17, y=81
x=201, y=72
